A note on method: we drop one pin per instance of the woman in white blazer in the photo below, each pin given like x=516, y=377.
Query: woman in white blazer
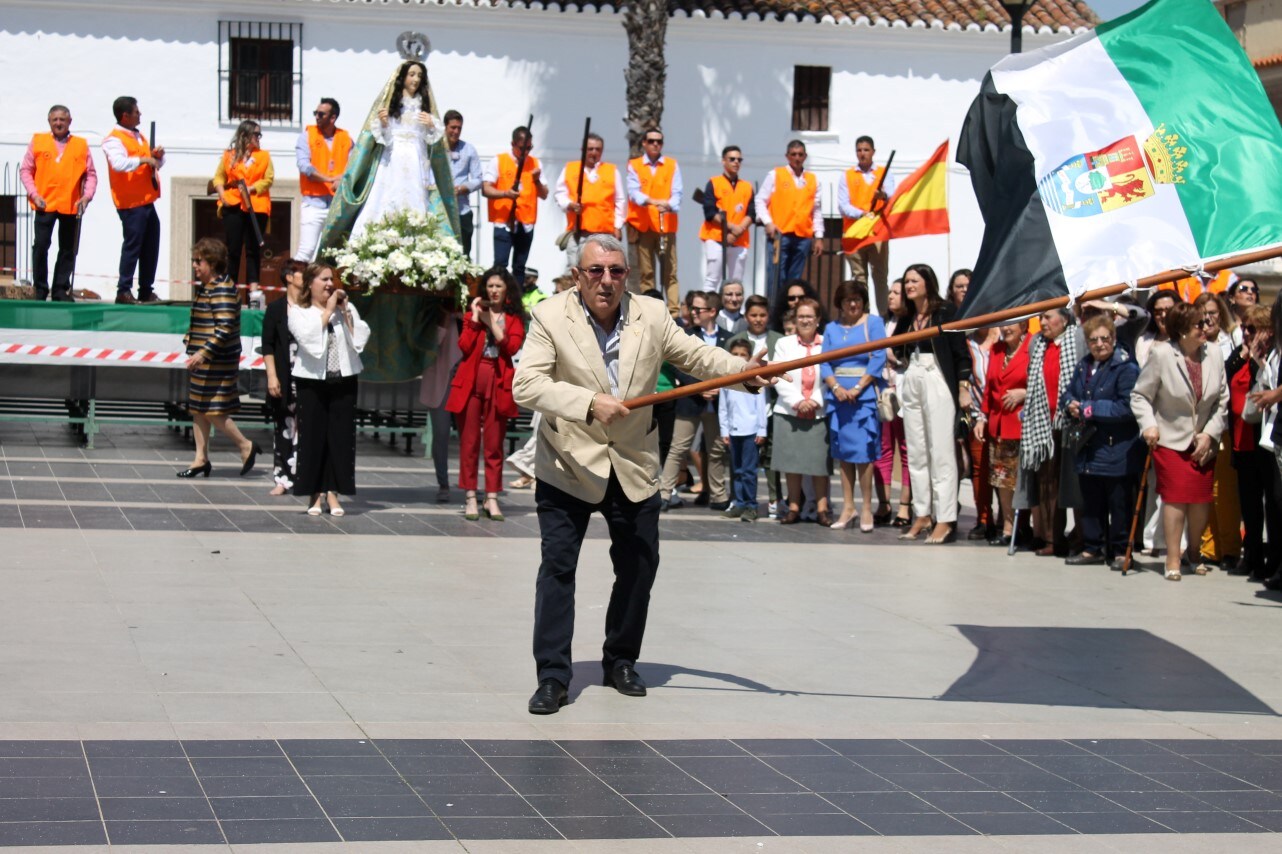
x=1180, y=401
x=330, y=336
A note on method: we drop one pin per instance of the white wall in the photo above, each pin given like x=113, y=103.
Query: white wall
x=728, y=81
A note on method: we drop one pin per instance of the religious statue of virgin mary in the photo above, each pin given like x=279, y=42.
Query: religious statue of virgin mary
x=399, y=161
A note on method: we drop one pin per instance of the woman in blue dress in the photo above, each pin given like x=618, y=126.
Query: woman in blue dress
x=852, y=385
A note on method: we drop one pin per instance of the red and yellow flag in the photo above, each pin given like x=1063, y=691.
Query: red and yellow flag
x=919, y=206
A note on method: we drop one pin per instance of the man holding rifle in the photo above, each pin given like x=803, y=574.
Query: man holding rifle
x=132, y=167
x=59, y=177
x=654, y=197
x=864, y=192
x=727, y=218
x=589, y=349
x=591, y=194
x=513, y=183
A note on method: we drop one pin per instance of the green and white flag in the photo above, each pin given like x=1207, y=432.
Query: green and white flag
x=1144, y=146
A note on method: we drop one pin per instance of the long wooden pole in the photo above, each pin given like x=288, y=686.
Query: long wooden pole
x=969, y=323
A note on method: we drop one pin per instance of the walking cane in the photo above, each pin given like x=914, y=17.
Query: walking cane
x=778, y=242
x=75, y=254
x=725, y=225
x=1139, y=508
x=1014, y=533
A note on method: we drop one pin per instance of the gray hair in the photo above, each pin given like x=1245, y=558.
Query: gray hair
x=728, y=282
x=607, y=242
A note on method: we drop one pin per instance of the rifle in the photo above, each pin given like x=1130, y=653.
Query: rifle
x=520, y=167
x=882, y=180
x=151, y=145
x=577, y=231
x=697, y=197
x=253, y=220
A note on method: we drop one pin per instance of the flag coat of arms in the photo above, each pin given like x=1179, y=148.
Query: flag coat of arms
x=1144, y=146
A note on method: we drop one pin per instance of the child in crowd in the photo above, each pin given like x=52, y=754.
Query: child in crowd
x=743, y=422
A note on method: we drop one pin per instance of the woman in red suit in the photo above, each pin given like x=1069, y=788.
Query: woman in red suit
x=1005, y=389
x=481, y=393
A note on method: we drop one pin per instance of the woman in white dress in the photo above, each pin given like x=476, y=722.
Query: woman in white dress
x=406, y=128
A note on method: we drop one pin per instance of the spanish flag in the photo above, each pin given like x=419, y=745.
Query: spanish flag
x=919, y=206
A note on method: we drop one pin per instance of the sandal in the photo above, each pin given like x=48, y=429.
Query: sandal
x=522, y=482
x=1173, y=575
x=882, y=516
x=1202, y=569
x=469, y=508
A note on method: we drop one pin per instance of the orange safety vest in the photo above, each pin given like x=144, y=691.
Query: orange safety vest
x=860, y=197
x=656, y=184
x=132, y=189
x=329, y=158
x=1190, y=287
x=793, y=209
x=59, y=177
x=527, y=204
x=734, y=201
x=598, y=198
x=250, y=171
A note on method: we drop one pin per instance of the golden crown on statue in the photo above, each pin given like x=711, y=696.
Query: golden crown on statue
x=1166, y=156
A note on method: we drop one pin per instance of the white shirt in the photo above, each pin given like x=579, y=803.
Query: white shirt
x=870, y=178
x=788, y=390
x=114, y=149
x=591, y=176
x=313, y=337
x=768, y=190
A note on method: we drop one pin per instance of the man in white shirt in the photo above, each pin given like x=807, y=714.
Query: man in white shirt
x=788, y=206
x=858, y=196
x=465, y=164
x=603, y=207
x=132, y=167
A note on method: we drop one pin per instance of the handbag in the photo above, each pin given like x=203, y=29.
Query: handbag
x=887, y=405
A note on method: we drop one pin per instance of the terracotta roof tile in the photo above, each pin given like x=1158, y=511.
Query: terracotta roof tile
x=1052, y=15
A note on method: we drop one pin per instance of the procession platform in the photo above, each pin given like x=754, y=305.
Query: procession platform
x=201, y=663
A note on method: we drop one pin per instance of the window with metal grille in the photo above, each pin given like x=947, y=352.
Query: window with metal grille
x=810, y=85
x=260, y=69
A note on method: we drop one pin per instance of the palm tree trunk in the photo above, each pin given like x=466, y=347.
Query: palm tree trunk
x=646, y=23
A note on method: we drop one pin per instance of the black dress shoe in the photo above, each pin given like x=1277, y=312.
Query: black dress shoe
x=1002, y=540
x=250, y=460
x=550, y=697
x=979, y=532
x=125, y=298
x=197, y=471
x=1274, y=582
x=702, y=499
x=150, y=296
x=624, y=679
x=1085, y=559
x=719, y=506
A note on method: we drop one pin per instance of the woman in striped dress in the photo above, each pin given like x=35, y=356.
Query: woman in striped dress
x=213, y=357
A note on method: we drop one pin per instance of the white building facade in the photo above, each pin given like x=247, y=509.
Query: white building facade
x=729, y=81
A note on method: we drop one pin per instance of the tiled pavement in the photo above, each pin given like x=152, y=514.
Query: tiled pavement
x=179, y=664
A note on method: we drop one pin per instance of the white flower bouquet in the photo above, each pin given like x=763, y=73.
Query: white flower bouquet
x=409, y=249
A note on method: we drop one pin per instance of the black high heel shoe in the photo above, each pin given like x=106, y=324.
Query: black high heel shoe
x=197, y=471
x=250, y=460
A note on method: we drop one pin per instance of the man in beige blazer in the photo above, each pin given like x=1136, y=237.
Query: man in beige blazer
x=588, y=349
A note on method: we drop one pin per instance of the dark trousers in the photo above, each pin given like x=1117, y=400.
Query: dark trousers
x=465, y=232
x=140, y=249
x=1259, y=488
x=284, y=410
x=1108, y=503
x=634, y=552
x=240, y=232
x=326, y=437
x=793, y=252
x=744, y=456
x=665, y=418
x=45, y=222
x=515, y=247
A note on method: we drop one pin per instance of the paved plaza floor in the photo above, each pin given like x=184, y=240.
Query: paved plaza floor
x=199, y=663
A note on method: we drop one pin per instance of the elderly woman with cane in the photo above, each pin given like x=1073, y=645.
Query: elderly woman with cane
x=1179, y=401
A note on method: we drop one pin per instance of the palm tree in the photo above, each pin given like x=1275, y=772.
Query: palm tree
x=646, y=23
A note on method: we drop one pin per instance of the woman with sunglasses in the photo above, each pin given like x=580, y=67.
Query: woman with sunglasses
x=1179, y=401
x=1222, y=541
x=1258, y=485
x=1242, y=294
x=244, y=164
x=788, y=297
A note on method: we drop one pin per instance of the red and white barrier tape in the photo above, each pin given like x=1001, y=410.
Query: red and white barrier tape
x=104, y=354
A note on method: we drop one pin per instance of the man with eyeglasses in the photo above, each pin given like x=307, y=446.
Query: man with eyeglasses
x=603, y=207
x=788, y=206
x=588, y=350
x=654, y=197
x=858, y=197
x=513, y=235
x=133, y=171
x=321, y=152
x=727, y=218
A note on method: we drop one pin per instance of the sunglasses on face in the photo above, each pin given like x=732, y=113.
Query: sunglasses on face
x=734, y=159
x=653, y=142
x=793, y=297
x=322, y=114
x=1248, y=290
x=597, y=272
x=1207, y=323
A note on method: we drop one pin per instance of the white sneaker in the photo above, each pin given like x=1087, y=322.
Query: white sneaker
x=772, y=510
